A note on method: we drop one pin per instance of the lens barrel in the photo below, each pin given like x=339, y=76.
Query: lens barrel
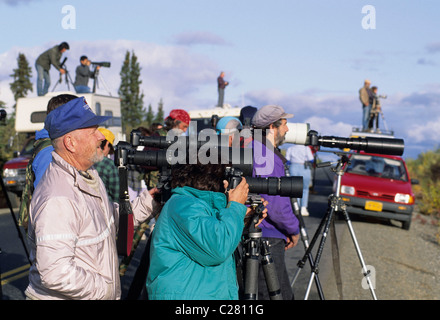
x=370, y=145
x=284, y=186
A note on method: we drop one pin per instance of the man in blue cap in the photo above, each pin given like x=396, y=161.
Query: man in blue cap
x=72, y=224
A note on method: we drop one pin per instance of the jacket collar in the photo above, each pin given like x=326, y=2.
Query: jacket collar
x=77, y=177
x=216, y=200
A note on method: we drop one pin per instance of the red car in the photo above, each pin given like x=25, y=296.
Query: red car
x=378, y=185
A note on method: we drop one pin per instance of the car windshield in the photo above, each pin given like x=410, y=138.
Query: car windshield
x=377, y=167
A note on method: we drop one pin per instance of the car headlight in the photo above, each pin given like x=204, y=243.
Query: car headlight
x=10, y=173
x=347, y=190
x=403, y=198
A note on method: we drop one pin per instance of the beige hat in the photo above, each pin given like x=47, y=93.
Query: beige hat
x=269, y=114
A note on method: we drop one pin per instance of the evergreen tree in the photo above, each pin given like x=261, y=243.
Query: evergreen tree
x=160, y=113
x=149, y=118
x=22, y=75
x=6, y=130
x=132, y=105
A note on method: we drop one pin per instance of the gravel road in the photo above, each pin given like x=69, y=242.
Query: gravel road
x=406, y=264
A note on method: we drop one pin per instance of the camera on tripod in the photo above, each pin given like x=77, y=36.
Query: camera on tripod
x=300, y=133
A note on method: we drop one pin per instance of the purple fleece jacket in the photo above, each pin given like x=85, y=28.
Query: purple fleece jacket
x=280, y=221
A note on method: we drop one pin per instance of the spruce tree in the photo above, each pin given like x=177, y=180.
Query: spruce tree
x=21, y=75
x=160, y=113
x=132, y=105
x=149, y=118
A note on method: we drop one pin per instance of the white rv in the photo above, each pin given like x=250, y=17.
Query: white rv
x=29, y=118
x=31, y=112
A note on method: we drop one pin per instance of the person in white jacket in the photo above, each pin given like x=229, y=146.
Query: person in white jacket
x=300, y=158
x=73, y=225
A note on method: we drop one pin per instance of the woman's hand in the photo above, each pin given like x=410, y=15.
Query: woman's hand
x=250, y=213
x=240, y=193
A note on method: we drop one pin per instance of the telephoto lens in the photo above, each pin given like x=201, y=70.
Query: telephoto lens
x=284, y=186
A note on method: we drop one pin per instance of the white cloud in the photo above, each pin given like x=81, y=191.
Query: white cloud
x=425, y=131
x=199, y=38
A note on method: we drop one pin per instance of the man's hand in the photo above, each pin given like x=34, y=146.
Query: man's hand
x=62, y=71
x=292, y=241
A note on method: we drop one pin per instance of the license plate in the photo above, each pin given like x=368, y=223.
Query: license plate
x=373, y=206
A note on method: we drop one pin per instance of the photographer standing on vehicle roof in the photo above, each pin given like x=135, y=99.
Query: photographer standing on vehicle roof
x=73, y=224
x=366, y=97
x=83, y=74
x=221, y=84
x=281, y=227
x=47, y=58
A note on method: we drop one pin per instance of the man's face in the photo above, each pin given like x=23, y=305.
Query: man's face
x=105, y=147
x=280, y=133
x=182, y=126
x=89, y=149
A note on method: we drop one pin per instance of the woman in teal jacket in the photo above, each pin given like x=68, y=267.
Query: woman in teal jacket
x=195, y=237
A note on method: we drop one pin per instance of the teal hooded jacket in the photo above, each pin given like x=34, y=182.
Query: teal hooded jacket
x=192, y=247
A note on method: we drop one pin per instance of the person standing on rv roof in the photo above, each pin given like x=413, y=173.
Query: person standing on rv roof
x=43, y=63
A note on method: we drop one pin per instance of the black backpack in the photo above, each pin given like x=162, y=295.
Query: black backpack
x=28, y=189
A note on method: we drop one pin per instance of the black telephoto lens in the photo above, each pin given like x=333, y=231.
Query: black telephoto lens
x=284, y=186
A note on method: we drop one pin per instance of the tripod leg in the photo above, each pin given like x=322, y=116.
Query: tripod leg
x=328, y=221
x=8, y=201
x=305, y=240
x=366, y=272
x=273, y=284
x=251, y=276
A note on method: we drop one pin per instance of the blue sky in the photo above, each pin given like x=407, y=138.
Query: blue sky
x=311, y=57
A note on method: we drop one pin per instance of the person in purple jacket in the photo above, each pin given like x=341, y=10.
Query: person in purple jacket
x=281, y=227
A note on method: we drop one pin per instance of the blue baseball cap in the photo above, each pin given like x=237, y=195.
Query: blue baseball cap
x=75, y=114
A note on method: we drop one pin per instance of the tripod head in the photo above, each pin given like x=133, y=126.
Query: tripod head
x=340, y=167
x=257, y=205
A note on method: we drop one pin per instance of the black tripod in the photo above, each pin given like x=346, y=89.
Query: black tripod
x=335, y=204
x=305, y=240
x=67, y=79
x=254, y=247
x=67, y=76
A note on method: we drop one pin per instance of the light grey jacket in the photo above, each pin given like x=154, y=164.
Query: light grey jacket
x=72, y=232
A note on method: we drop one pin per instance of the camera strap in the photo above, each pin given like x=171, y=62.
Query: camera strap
x=124, y=241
